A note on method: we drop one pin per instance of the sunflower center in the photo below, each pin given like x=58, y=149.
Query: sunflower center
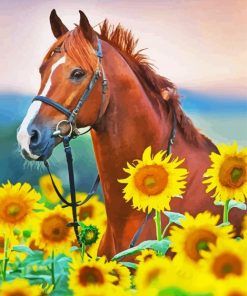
x=152, y=277
x=198, y=240
x=50, y=188
x=90, y=275
x=54, y=228
x=85, y=212
x=227, y=263
x=1, y=244
x=16, y=293
x=117, y=276
x=14, y=211
x=236, y=293
x=90, y=235
x=147, y=257
x=233, y=172
x=151, y=179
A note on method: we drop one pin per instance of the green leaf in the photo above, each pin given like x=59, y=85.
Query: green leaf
x=38, y=278
x=159, y=246
x=129, y=264
x=219, y=203
x=236, y=204
x=23, y=249
x=74, y=248
x=35, y=258
x=224, y=224
x=232, y=204
x=174, y=217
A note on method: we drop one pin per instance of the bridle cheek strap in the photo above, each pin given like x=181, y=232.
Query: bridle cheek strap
x=73, y=132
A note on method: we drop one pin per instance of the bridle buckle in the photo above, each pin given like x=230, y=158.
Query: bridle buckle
x=63, y=129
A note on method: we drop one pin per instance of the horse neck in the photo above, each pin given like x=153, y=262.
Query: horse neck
x=130, y=124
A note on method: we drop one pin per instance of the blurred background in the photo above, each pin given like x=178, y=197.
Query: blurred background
x=200, y=45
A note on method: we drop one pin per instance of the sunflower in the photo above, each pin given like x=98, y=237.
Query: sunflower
x=227, y=175
x=18, y=203
x=153, y=181
x=226, y=259
x=121, y=274
x=48, y=189
x=151, y=274
x=160, y=276
x=19, y=287
x=92, y=250
x=92, y=210
x=89, y=234
x=231, y=287
x=146, y=255
x=89, y=274
x=195, y=235
x=8, y=242
x=52, y=232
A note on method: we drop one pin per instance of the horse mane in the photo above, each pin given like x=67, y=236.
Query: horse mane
x=153, y=84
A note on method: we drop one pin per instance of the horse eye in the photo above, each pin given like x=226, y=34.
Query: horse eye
x=77, y=74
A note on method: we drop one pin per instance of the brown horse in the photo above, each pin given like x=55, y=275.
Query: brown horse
x=135, y=113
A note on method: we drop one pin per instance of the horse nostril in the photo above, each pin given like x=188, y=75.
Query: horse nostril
x=35, y=137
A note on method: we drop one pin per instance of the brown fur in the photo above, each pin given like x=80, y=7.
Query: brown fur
x=124, y=41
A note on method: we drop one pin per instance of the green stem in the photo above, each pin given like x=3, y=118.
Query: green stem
x=226, y=212
x=82, y=251
x=5, y=258
x=53, y=269
x=157, y=220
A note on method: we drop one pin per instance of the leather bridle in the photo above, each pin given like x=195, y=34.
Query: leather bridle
x=71, y=115
x=73, y=132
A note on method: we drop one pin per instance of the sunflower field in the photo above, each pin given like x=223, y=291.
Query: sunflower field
x=192, y=256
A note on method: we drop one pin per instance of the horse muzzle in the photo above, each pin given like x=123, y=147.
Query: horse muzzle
x=36, y=142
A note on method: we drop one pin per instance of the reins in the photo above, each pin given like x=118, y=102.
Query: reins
x=72, y=133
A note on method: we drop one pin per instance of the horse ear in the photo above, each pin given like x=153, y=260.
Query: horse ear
x=86, y=28
x=58, y=28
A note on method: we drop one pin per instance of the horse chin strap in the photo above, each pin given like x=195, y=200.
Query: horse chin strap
x=71, y=132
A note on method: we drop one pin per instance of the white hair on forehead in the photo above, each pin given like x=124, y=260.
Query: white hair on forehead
x=53, y=68
x=23, y=137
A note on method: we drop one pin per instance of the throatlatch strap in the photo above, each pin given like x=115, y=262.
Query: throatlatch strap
x=139, y=231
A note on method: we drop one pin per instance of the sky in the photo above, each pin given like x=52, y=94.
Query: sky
x=197, y=44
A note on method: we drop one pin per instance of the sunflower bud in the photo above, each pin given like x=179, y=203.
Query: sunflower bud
x=89, y=234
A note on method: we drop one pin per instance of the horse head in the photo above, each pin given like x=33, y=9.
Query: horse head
x=71, y=95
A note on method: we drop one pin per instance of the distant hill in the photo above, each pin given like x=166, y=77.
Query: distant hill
x=208, y=112
x=14, y=106
x=202, y=102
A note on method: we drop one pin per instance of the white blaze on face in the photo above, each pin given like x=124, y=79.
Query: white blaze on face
x=53, y=68
x=23, y=136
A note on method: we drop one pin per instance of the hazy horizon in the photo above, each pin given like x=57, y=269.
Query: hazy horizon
x=199, y=45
